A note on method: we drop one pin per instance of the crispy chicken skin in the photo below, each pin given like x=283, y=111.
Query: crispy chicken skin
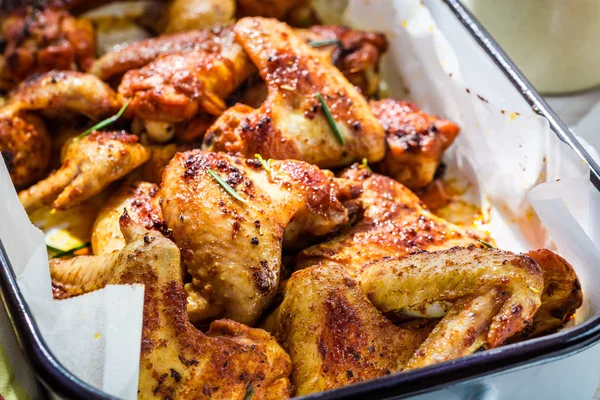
x=25, y=146
x=232, y=249
x=394, y=223
x=141, y=202
x=415, y=141
x=89, y=166
x=560, y=298
x=490, y=295
x=39, y=40
x=177, y=360
x=57, y=92
x=176, y=87
x=356, y=55
x=334, y=336
x=291, y=123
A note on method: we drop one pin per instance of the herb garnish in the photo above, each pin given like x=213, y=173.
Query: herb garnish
x=330, y=119
x=225, y=185
x=62, y=253
x=104, y=123
x=486, y=244
x=365, y=164
x=249, y=391
x=325, y=42
x=265, y=163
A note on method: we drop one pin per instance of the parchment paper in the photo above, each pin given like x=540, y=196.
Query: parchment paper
x=504, y=155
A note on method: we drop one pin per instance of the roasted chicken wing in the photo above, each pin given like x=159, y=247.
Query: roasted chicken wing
x=141, y=202
x=42, y=39
x=230, y=361
x=415, y=141
x=394, y=223
x=232, y=246
x=89, y=166
x=292, y=122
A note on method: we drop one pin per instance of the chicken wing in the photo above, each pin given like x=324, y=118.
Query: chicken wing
x=39, y=40
x=231, y=247
x=230, y=361
x=394, y=223
x=175, y=87
x=334, y=336
x=89, y=165
x=355, y=53
x=141, y=202
x=415, y=141
x=291, y=123
x=25, y=147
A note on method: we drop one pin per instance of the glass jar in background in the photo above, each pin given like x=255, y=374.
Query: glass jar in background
x=556, y=43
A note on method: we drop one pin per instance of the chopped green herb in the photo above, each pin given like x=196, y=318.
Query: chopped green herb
x=265, y=163
x=260, y=231
x=486, y=244
x=326, y=42
x=61, y=253
x=365, y=164
x=249, y=391
x=104, y=123
x=225, y=185
x=332, y=123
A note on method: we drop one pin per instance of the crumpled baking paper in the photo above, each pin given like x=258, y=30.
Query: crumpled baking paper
x=503, y=154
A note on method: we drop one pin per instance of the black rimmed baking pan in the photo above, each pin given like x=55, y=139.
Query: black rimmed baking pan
x=546, y=367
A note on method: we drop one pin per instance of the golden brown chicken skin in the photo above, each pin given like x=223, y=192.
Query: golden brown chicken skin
x=355, y=53
x=25, y=147
x=232, y=248
x=394, y=223
x=334, y=336
x=230, y=361
x=176, y=87
x=489, y=295
x=89, y=165
x=39, y=40
x=415, y=141
x=140, y=201
x=291, y=123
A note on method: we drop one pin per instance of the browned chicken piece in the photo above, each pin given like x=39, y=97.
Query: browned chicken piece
x=89, y=166
x=159, y=158
x=334, y=336
x=560, y=298
x=488, y=294
x=394, y=224
x=141, y=202
x=279, y=9
x=416, y=141
x=59, y=92
x=356, y=53
x=231, y=247
x=291, y=123
x=186, y=15
x=39, y=40
x=176, y=86
x=178, y=361
x=25, y=147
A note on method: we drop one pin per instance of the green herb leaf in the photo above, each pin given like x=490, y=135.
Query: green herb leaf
x=62, y=253
x=225, y=185
x=104, y=123
x=332, y=123
x=325, y=42
x=365, y=164
x=486, y=244
x=249, y=391
x=265, y=163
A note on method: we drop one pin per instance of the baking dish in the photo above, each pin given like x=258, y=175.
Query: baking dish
x=472, y=376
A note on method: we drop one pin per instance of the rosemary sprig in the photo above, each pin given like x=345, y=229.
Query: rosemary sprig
x=249, y=391
x=225, y=185
x=330, y=119
x=486, y=244
x=325, y=42
x=61, y=253
x=104, y=123
x=265, y=163
x=365, y=164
